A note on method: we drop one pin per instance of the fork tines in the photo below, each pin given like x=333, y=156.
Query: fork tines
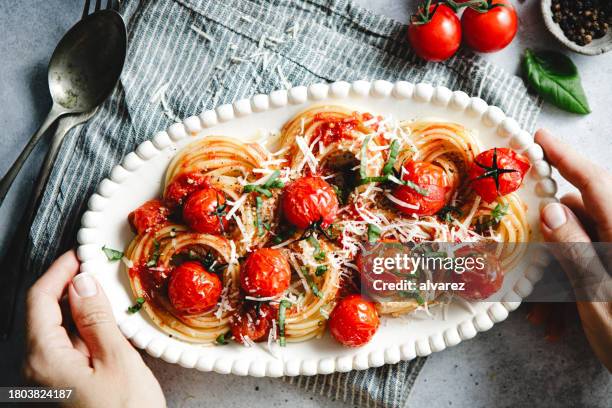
x=110, y=5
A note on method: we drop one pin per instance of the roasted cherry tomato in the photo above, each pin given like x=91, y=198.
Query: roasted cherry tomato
x=149, y=216
x=490, y=26
x=192, y=289
x=266, y=272
x=427, y=188
x=435, y=35
x=482, y=280
x=308, y=200
x=205, y=212
x=498, y=172
x=354, y=321
x=184, y=185
x=253, y=322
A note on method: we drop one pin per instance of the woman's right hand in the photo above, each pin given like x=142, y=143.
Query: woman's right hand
x=582, y=218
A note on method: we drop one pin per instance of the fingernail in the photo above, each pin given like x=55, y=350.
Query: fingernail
x=84, y=285
x=554, y=216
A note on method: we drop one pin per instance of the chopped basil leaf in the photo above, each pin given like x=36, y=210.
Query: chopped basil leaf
x=264, y=189
x=273, y=181
x=377, y=179
x=250, y=188
x=112, y=254
x=221, y=340
x=418, y=189
x=446, y=211
x=499, y=212
x=283, y=235
x=311, y=283
x=319, y=254
x=258, y=223
x=321, y=269
x=413, y=295
x=137, y=306
x=393, y=151
x=363, y=167
x=339, y=195
x=284, y=304
x=373, y=233
x=155, y=255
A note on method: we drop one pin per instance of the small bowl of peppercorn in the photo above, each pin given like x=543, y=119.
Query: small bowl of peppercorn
x=583, y=26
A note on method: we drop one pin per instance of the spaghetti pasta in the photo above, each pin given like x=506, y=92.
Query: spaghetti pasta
x=354, y=178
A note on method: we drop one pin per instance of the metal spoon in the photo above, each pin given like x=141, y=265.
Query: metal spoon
x=83, y=71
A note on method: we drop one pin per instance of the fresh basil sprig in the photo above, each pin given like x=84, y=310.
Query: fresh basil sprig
x=555, y=77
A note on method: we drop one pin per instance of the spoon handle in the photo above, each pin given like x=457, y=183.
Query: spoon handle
x=9, y=177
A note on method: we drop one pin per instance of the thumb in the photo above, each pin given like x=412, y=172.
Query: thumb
x=560, y=224
x=573, y=249
x=94, y=319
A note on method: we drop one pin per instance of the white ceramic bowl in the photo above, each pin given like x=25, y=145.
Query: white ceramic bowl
x=138, y=178
x=597, y=47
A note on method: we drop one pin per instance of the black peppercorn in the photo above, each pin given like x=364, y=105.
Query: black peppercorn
x=582, y=21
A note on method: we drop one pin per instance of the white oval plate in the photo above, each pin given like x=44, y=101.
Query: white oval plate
x=138, y=178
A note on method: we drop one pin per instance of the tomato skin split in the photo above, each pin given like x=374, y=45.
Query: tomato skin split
x=432, y=193
x=265, y=273
x=309, y=200
x=192, y=289
x=203, y=212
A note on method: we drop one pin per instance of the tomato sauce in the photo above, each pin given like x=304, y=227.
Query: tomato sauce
x=333, y=130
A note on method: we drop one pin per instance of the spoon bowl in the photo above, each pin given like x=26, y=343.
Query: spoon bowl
x=83, y=71
x=87, y=62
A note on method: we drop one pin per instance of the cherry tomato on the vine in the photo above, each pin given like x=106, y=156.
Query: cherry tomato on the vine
x=192, y=289
x=435, y=35
x=497, y=172
x=266, y=272
x=354, y=321
x=205, y=212
x=489, y=27
x=426, y=191
x=308, y=200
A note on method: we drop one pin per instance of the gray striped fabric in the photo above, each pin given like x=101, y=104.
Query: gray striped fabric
x=189, y=55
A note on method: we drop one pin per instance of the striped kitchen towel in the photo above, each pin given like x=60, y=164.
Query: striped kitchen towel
x=186, y=56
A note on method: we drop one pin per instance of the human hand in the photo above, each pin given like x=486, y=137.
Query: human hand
x=98, y=362
x=582, y=218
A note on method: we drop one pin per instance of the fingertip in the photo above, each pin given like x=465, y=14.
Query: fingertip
x=554, y=216
x=59, y=274
x=542, y=134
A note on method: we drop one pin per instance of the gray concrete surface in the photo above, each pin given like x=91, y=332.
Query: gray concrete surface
x=511, y=365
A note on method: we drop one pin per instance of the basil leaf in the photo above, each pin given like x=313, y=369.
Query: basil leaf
x=221, y=340
x=373, y=233
x=321, y=269
x=555, y=77
x=284, y=305
x=137, y=306
x=112, y=254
